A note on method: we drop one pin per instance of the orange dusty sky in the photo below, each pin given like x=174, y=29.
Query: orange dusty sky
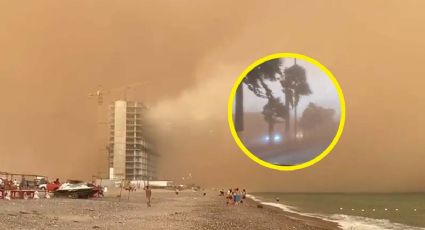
x=54, y=53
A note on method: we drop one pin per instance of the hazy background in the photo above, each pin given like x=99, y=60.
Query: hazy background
x=54, y=53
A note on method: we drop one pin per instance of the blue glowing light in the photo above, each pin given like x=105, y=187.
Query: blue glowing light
x=274, y=138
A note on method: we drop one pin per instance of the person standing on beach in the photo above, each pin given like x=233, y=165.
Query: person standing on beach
x=237, y=196
x=229, y=197
x=148, y=192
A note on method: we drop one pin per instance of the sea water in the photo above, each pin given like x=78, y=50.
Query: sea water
x=354, y=211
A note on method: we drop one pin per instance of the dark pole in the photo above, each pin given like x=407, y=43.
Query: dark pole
x=121, y=189
x=295, y=121
x=239, y=109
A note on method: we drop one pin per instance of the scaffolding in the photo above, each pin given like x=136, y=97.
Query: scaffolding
x=131, y=155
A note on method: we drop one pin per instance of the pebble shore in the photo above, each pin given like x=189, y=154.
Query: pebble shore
x=188, y=210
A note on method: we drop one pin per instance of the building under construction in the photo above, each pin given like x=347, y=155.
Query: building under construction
x=131, y=156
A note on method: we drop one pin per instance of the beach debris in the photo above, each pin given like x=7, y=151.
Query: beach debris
x=386, y=209
x=396, y=209
x=277, y=199
x=414, y=210
x=259, y=206
x=340, y=208
x=362, y=210
x=24, y=212
x=35, y=212
x=47, y=196
x=7, y=197
x=352, y=209
x=36, y=195
x=373, y=210
x=95, y=227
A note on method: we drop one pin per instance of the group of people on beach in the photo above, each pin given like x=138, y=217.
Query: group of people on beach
x=234, y=196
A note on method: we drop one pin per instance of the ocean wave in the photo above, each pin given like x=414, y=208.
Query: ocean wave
x=360, y=223
x=346, y=222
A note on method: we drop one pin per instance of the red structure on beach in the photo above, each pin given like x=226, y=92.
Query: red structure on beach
x=25, y=188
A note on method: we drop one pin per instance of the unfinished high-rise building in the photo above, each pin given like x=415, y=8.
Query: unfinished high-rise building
x=130, y=153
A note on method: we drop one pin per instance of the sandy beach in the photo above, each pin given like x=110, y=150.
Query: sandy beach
x=188, y=210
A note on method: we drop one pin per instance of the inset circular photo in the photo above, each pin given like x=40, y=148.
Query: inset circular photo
x=286, y=111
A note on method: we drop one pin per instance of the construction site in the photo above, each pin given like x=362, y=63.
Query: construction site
x=123, y=139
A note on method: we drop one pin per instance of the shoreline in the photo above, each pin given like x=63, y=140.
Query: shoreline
x=353, y=220
x=313, y=222
x=188, y=210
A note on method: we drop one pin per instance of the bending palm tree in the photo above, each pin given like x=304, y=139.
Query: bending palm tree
x=273, y=111
x=255, y=80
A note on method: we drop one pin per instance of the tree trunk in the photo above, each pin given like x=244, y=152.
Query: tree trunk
x=271, y=131
x=239, y=123
x=295, y=121
x=287, y=121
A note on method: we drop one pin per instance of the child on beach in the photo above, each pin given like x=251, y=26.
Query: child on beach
x=148, y=192
x=229, y=197
x=237, y=196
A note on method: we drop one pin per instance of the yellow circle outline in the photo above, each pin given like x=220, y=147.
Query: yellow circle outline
x=242, y=146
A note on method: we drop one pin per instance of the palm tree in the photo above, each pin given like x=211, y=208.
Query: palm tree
x=301, y=89
x=273, y=111
x=255, y=80
x=294, y=86
x=289, y=103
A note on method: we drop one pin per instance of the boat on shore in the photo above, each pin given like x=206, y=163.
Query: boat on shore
x=77, y=189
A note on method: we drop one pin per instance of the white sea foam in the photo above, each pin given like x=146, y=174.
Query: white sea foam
x=360, y=223
x=346, y=222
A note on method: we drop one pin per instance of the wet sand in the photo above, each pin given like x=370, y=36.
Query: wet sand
x=188, y=210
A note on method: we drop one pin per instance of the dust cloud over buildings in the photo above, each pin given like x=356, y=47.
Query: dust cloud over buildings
x=54, y=54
